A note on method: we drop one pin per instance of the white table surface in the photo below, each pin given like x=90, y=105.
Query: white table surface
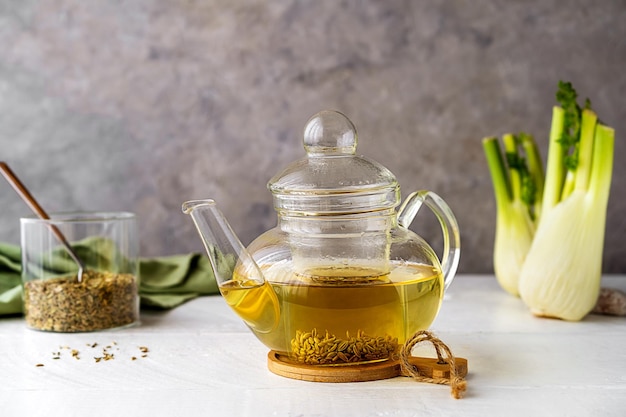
x=203, y=361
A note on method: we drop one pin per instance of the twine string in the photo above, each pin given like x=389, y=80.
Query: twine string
x=458, y=384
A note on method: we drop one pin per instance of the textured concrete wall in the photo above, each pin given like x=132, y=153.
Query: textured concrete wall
x=140, y=105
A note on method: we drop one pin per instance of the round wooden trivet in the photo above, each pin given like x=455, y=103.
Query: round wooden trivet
x=427, y=367
x=283, y=366
x=444, y=369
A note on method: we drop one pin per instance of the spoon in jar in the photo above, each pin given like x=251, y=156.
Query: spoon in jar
x=23, y=192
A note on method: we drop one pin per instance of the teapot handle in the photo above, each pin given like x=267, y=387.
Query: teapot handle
x=449, y=227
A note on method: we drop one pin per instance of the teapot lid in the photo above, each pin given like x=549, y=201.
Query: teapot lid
x=331, y=179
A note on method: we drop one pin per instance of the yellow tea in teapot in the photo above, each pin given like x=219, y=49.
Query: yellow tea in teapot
x=334, y=316
x=309, y=287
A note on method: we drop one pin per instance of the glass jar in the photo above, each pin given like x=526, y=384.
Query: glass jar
x=106, y=296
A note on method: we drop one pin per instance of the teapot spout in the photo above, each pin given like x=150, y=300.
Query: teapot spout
x=227, y=254
x=238, y=277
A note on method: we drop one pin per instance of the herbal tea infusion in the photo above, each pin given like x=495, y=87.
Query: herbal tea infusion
x=341, y=278
x=328, y=317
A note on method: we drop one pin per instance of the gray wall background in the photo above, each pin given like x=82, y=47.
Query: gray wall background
x=140, y=105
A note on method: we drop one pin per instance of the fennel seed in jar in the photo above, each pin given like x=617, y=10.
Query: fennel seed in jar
x=102, y=300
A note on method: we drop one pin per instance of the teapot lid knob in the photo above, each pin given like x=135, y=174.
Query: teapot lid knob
x=330, y=132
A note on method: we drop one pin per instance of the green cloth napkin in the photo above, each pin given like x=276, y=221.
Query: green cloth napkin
x=165, y=282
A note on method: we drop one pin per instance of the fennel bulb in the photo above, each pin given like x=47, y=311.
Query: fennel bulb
x=518, y=200
x=550, y=232
x=561, y=274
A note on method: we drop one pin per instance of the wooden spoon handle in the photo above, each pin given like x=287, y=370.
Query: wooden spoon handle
x=28, y=198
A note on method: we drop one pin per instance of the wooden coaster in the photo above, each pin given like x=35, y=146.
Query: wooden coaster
x=427, y=367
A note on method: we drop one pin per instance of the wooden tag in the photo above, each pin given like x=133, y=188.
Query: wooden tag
x=430, y=368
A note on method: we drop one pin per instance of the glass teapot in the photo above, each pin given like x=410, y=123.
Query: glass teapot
x=341, y=279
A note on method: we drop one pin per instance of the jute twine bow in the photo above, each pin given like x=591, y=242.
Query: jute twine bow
x=457, y=383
